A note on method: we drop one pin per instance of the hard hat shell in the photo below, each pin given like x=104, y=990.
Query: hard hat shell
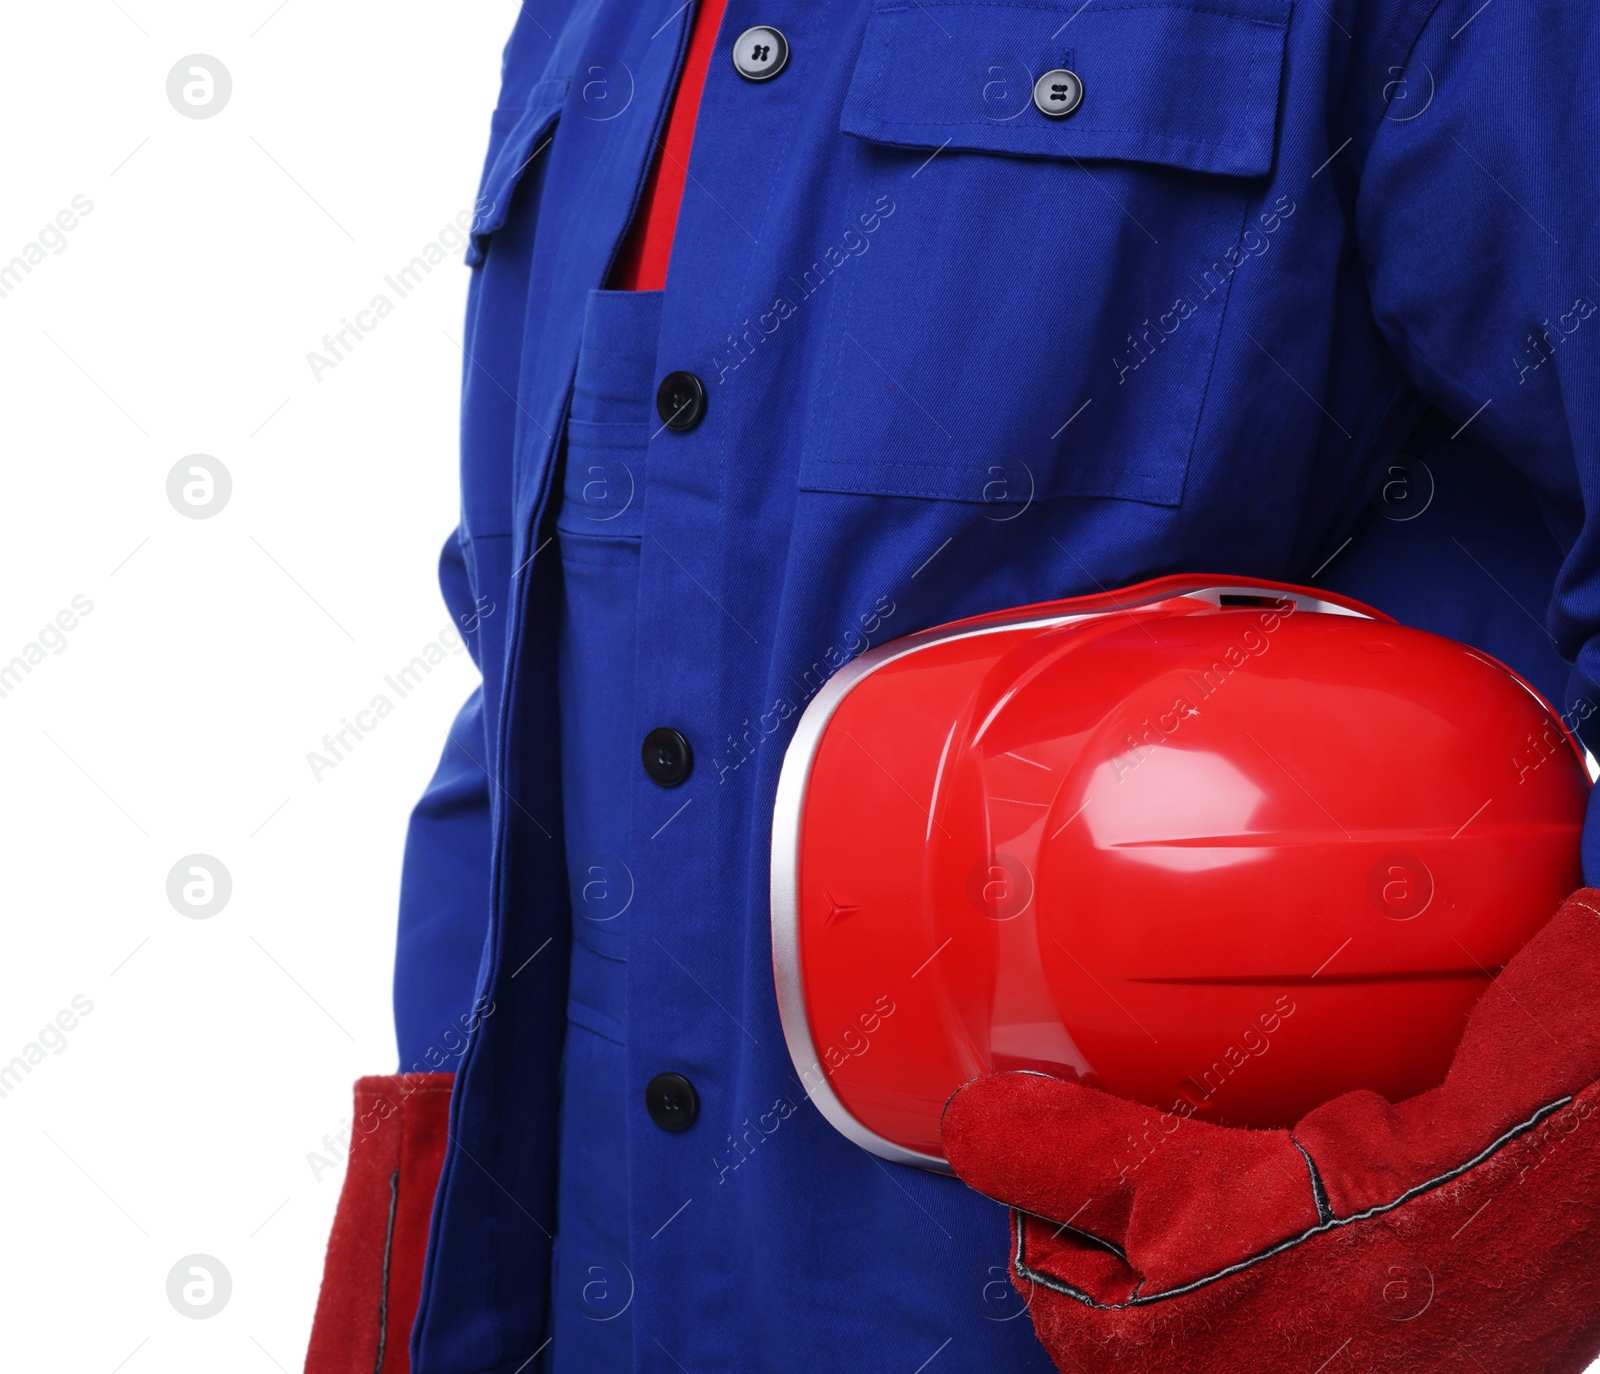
x=1228, y=849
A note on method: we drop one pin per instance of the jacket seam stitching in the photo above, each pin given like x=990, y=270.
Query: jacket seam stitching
x=1217, y=12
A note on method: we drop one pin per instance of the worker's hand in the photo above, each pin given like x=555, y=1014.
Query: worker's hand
x=1457, y=1230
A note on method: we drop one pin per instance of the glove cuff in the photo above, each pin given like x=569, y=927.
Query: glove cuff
x=372, y=1278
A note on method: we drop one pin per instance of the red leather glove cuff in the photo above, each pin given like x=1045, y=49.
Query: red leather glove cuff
x=372, y=1279
x=1461, y=1226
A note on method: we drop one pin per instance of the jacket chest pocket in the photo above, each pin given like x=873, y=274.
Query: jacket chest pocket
x=499, y=248
x=1042, y=300
x=518, y=134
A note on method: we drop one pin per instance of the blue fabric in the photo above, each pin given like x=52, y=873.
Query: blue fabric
x=1453, y=542
x=599, y=518
x=957, y=358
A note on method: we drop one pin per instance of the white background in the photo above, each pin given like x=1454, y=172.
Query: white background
x=179, y=1115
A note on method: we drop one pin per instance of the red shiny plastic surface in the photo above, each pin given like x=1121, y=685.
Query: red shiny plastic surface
x=1242, y=857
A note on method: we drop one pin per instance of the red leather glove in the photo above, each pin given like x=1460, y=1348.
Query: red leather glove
x=1458, y=1230
x=372, y=1280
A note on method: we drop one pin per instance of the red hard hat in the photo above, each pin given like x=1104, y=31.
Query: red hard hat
x=1228, y=850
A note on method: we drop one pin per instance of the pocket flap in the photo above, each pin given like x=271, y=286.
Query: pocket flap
x=1184, y=83
x=516, y=137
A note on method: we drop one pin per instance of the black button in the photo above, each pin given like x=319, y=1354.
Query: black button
x=672, y=1102
x=667, y=756
x=681, y=400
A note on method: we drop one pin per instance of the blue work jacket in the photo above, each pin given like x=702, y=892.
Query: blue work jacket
x=1300, y=290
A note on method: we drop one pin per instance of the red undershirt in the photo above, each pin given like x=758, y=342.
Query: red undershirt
x=643, y=264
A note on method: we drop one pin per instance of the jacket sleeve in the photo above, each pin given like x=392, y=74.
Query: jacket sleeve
x=372, y=1274
x=444, y=890
x=1477, y=216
